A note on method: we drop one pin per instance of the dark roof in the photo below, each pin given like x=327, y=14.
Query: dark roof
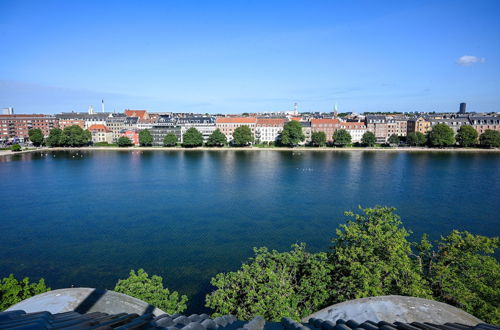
x=73, y=320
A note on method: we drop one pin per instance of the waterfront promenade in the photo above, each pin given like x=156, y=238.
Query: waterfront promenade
x=321, y=149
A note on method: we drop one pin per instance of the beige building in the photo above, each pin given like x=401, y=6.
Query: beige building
x=101, y=133
x=268, y=129
x=227, y=125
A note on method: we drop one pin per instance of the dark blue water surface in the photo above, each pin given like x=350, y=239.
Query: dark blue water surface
x=87, y=218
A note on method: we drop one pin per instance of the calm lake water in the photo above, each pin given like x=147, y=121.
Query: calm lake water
x=87, y=218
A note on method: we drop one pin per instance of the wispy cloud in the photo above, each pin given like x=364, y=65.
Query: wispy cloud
x=468, y=60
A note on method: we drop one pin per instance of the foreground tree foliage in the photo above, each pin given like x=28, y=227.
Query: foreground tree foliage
x=13, y=291
x=416, y=139
x=318, y=139
x=170, y=140
x=440, y=136
x=292, y=134
x=466, y=136
x=273, y=285
x=192, y=138
x=145, y=138
x=490, y=139
x=217, y=139
x=341, y=138
x=372, y=257
x=242, y=136
x=36, y=136
x=462, y=272
x=151, y=290
x=54, y=139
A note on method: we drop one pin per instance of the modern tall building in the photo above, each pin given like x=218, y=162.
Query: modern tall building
x=462, y=108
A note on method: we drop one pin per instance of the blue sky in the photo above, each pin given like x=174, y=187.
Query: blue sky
x=245, y=56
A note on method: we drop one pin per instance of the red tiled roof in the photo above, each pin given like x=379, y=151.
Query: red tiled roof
x=135, y=113
x=236, y=120
x=271, y=121
x=325, y=121
x=98, y=127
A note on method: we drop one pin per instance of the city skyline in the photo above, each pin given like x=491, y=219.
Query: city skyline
x=228, y=57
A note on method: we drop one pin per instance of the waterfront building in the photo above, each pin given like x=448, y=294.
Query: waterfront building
x=130, y=123
x=159, y=132
x=454, y=123
x=100, y=133
x=306, y=130
x=327, y=125
x=398, y=125
x=89, y=118
x=420, y=124
x=355, y=129
x=377, y=124
x=115, y=122
x=268, y=129
x=482, y=123
x=132, y=134
x=16, y=127
x=71, y=122
x=227, y=125
x=206, y=125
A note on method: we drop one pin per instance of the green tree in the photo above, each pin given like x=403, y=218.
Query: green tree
x=217, y=139
x=13, y=291
x=490, y=139
x=466, y=136
x=36, y=136
x=151, y=290
x=124, y=141
x=341, y=137
x=318, y=139
x=192, y=138
x=15, y=147
x=54, y=139
x=75, y=136
x=145, y=138
x=368, y=139
x=463, y=272
x=170, y=140
x=441, y=135
x=371, y=257
x=416, y=139
x=292, y=134
x=394, y=139
x=274, y=285
x=242, y=136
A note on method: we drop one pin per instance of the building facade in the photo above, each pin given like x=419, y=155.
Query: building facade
x=227, y=125
x=378, y=126
x=268, y=129
x=100, y=133
x=16, y=127
x=482, y=123
x=355, y=129
x=327, y=125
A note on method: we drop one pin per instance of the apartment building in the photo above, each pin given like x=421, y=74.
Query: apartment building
x=227, y=125
x=16, y=127
x=327, y=125
x=268, y=129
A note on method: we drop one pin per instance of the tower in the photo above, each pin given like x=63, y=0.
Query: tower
x=91, y=110
x=102, y=106
x=295, y=111
x=463, y=106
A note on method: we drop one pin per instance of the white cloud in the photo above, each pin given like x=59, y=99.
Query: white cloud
x=468, y=60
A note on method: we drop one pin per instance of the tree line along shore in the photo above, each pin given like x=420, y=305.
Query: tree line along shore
x=440, y=136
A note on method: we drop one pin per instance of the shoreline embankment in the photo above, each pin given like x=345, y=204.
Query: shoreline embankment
x=251, y=149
